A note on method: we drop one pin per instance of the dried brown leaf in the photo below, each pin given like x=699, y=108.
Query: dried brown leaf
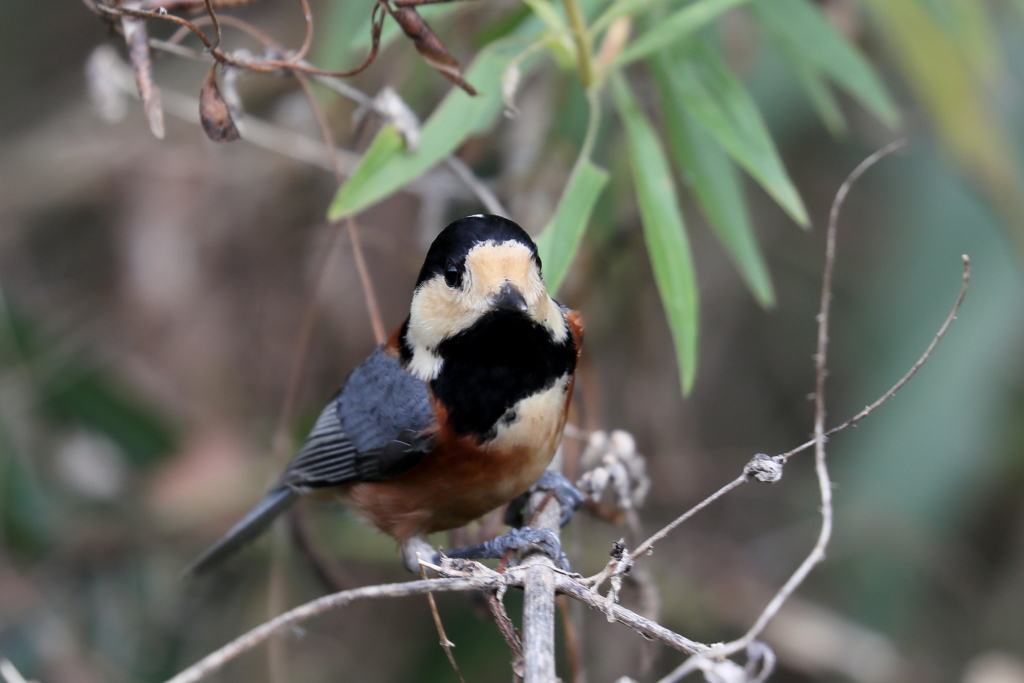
x=137, y=38
x=214, y=113
x=430, y=46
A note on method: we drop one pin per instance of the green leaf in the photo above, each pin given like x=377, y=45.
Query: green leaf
x=802, y=29
x=820, y=96
x=954, y=96
x=716, y=184
x=698, y=80
x=386, y=167
x=664, y=231
x=675, y=27
x=561, y=237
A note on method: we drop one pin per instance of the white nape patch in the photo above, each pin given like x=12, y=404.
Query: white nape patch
x=424, y=365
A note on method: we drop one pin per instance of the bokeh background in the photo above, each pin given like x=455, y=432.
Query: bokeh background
x=154, y=294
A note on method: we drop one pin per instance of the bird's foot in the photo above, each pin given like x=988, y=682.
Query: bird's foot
x=568, y=496
x=544, y=540
x=414, y=549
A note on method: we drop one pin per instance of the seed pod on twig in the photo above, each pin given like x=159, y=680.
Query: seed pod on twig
x=429, y=46
x=213, y=111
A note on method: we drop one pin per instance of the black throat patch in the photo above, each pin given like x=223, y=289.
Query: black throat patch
x=488, y=368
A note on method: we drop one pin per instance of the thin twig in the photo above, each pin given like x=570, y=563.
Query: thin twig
x=353, y=233
x=667, y=529
x=364, y=277
x=445, y=643
x=508, y=629
x=645, y=627
x=258, y=635
x=482, y=192
x=307, y=41
x=817, y=553
x=257, y=65
x=572, y=640
x=216, y=24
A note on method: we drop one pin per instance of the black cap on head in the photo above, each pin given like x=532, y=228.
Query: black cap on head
x=455, y=241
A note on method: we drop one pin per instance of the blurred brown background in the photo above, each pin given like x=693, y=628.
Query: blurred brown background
x=152, y=297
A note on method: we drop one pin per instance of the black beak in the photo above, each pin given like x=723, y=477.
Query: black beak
x=509, y=300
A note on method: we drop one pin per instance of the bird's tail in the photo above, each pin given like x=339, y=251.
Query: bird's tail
x=251, y=526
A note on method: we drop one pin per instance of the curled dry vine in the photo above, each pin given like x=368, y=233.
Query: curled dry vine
x=128, y=17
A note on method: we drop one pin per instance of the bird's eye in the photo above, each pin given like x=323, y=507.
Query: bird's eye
x=452, y=275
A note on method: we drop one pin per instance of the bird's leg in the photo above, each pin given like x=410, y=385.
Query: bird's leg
x=568, y=496
x=544, y=540
x=414, y=548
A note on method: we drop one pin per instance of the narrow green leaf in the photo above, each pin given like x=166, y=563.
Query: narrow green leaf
x=699, y=81
x=803, y=30
x=561, y=237
x=379, y=175
x=716, y=184
x=821, y=97
x=675, y=27
x=664, y=231
x=363, y=181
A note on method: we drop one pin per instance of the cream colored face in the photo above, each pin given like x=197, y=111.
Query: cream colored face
x=440, y=312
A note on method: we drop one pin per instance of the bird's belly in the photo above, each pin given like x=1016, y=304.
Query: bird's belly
x=461, y=479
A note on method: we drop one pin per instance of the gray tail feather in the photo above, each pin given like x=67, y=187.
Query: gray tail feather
x=251, y=526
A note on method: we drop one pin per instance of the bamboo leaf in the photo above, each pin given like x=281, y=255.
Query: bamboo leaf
x=953, y=95
x=675, y=27
x=698, y=80
x=802, y=29
x=561, y=237
x=386, y=167
x=664, y=231
x=716, y=184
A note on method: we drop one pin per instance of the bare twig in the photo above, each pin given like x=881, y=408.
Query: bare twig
x=910, y=373
x=645, y=627
x=307, y=41
x=364, y=277
x=214, y=22
x=507, y=628
x=572, y=640
x=482, y=192
x=817, y=553
x=667, y=529
x=353, y=233
x=258, y=635
x=445, y=643
x=257, y=65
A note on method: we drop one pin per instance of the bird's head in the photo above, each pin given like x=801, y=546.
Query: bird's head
x=480, y=268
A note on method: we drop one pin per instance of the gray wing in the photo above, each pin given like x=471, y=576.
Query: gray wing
x=379, y=425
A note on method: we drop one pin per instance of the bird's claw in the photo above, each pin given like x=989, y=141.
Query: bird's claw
x=569, y=498
x=544, y=540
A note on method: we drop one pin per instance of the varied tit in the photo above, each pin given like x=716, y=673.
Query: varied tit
x=458, y=413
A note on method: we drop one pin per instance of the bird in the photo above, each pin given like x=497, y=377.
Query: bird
x=459, y=412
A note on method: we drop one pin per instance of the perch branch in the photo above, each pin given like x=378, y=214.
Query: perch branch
x=258, y=635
